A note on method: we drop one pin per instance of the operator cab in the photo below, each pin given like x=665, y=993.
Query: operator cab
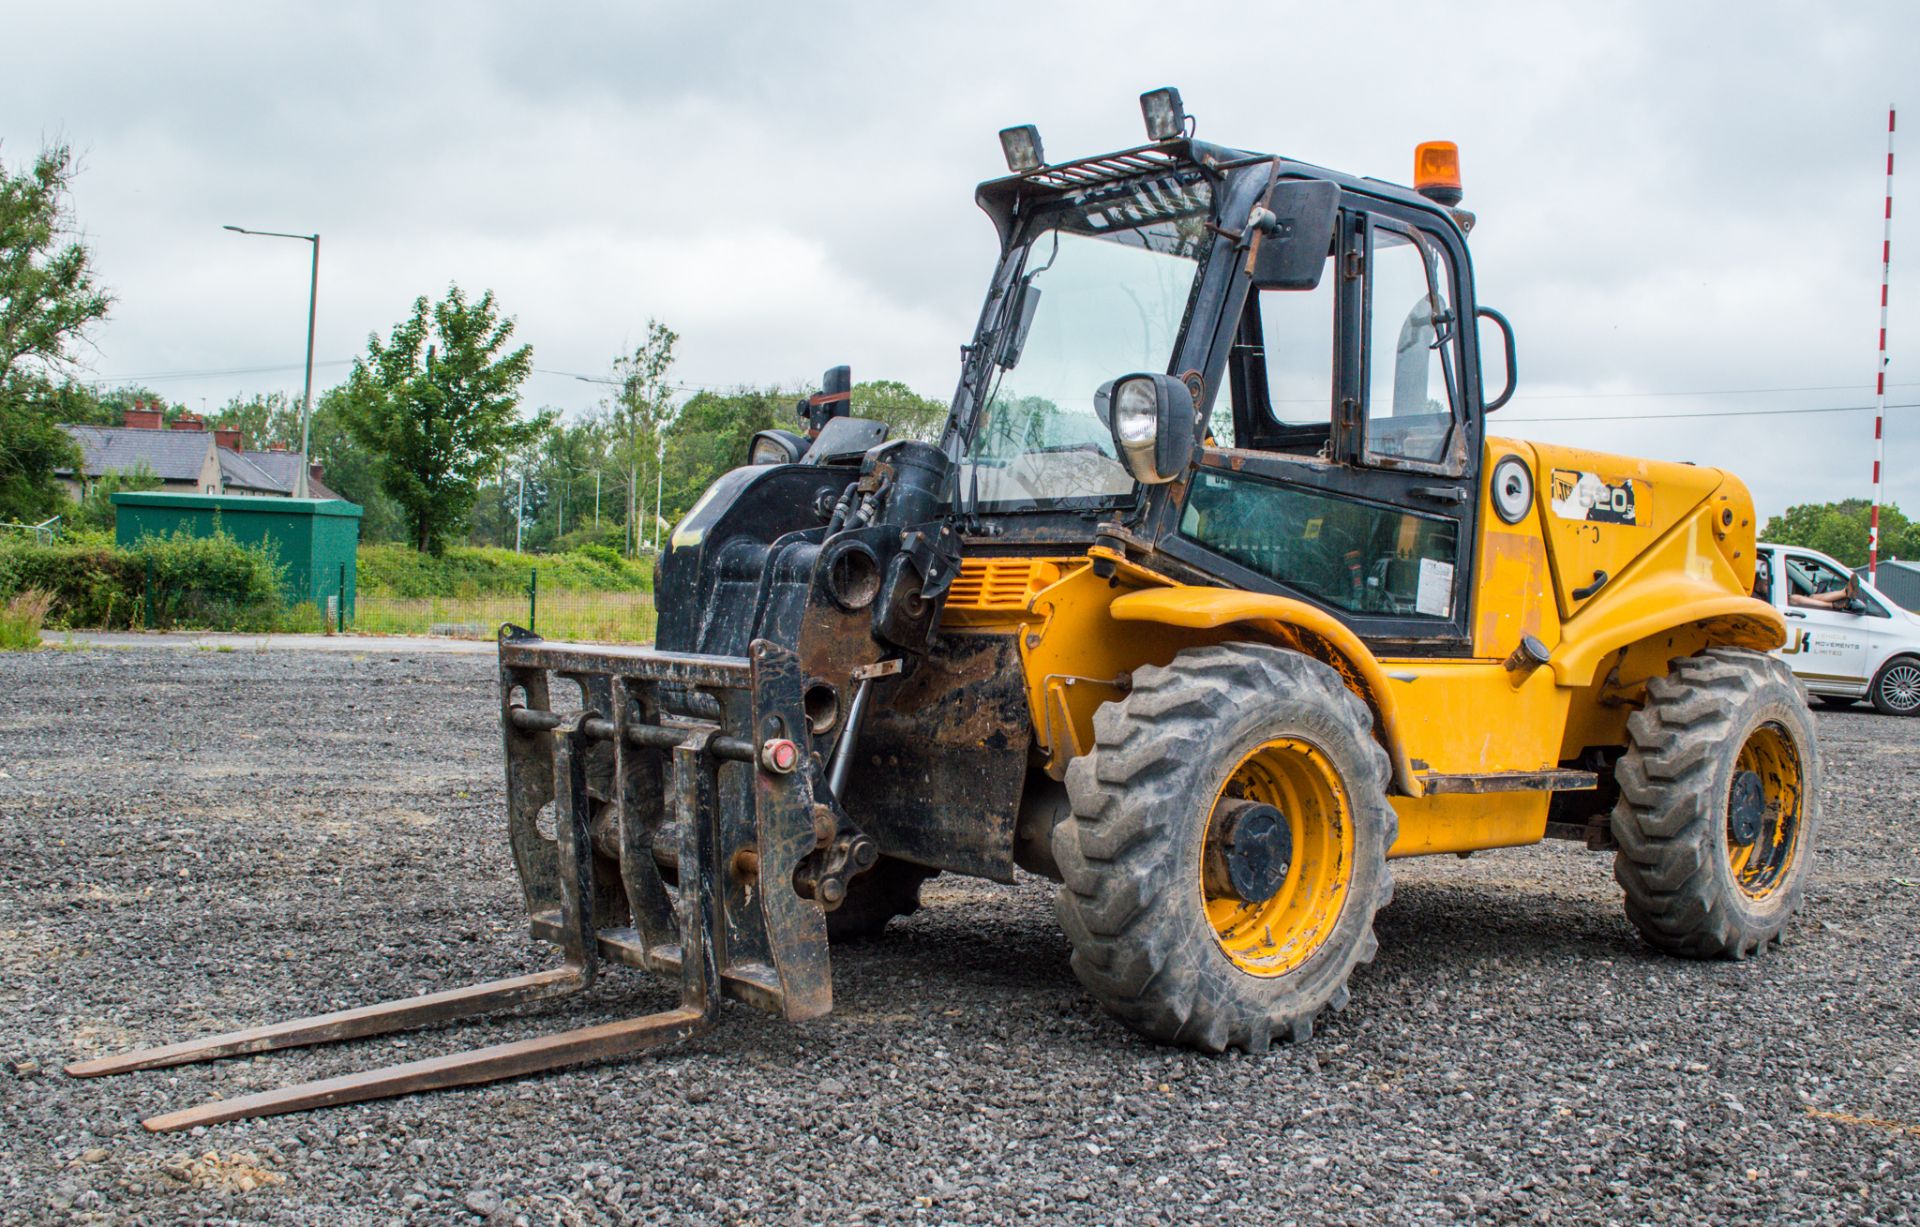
x=1264, y=372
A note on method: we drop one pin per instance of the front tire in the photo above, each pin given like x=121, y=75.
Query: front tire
x=1719, y=805
x=1896, y=688
x=1226, y=850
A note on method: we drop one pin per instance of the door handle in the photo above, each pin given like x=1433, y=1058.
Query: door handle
x=1794, y=613
x=1586, y=590
x=1441, y=494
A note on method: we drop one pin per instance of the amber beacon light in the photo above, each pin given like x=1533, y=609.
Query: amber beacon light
x=1436, y=172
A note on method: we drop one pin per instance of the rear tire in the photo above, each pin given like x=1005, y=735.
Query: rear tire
x=891, y=888
x=1160, y=938
x=1896, y=688
x=1719, y=805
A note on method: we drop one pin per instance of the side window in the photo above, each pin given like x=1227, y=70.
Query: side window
x=1811, y=577
x=1297, y=329
x=1410, y=333
x=1365, y=558
x=1282, y=372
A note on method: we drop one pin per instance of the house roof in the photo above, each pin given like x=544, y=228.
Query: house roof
x=238, y=469
x=280, y=469
x=173, y=455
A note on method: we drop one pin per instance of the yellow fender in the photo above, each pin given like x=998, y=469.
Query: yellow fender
x=1718, y=618
x=1296, y=623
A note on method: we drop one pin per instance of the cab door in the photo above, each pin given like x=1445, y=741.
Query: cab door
x=1344, y=468
x=1833, y=644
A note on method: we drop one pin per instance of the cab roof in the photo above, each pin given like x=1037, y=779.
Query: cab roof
x=1000, y=197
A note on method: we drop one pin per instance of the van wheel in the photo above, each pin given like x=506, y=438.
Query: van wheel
x=1226, y=850
x=1896, y=688
x=1719, y=805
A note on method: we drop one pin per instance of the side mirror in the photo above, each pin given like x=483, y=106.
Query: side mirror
x=1026, y=300
x=1151, y=417
x=1513, y=375
x=776, y=447
x=1292, y=234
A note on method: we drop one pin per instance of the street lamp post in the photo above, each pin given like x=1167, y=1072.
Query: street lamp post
x=301, y=489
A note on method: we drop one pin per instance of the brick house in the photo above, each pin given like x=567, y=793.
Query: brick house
x=187, y=457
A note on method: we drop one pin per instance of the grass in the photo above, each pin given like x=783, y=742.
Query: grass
x=467, y=572
x=591, y=617
x=21, y=619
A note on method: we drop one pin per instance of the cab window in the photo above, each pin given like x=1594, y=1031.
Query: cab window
x=1282, y=371
x=1410, y=394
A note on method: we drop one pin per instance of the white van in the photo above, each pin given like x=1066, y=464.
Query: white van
x=1843, y=645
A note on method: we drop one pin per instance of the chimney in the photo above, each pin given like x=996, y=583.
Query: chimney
x=141, y=418
x=190, y=421
x=276, y=447
x=314, y=474
x=230, y=438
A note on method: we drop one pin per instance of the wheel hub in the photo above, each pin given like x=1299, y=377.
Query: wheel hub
x=1256, y=849
x=1746, y=808
x=1901, y=687
x=1277, y=857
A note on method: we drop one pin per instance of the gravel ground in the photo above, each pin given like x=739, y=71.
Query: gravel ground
x=194, y=841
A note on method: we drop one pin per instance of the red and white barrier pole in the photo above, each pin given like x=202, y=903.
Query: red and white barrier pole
x=1880, y=377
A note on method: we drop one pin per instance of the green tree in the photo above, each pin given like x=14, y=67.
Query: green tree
x=1840, y=529
x=48, y=300
x=437, y=407
x=263, y=419
x=711, y=434
x=644, y=405
x=95, y=511
x=909, y=414
x=349, y=469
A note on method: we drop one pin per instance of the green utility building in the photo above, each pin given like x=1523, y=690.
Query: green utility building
x=316, y=539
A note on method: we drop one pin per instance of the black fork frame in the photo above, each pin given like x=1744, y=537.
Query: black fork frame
x=685, y=733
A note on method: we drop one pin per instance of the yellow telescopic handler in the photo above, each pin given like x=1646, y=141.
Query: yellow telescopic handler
x=1214, y=597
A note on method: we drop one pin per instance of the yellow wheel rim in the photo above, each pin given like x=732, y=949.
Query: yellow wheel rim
x=1764, y=807
x=1273, y=936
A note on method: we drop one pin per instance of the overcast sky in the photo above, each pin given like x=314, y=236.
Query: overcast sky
x=1676, y=201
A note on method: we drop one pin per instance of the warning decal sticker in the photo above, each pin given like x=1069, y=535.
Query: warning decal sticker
x=1592, y=499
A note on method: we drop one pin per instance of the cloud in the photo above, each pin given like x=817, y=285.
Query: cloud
x=1671, y=197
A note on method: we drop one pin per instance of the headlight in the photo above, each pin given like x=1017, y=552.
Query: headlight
x=1136, y=417
x=1152, y=420
x=776, y=447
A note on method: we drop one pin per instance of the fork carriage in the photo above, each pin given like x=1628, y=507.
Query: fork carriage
x=644, y=866
x=668, y=747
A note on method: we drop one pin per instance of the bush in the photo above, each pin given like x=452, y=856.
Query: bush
x=211, y=583
x=21, y=619
x=609, y=535
x=91, y=585
x=95, y=512
x=306, y=618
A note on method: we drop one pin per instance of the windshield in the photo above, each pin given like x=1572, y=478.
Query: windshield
x=1105, y=281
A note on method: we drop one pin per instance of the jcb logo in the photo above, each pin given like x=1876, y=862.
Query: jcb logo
x=1590, y=498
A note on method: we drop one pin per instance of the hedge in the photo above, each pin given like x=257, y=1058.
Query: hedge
x=203, y=583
